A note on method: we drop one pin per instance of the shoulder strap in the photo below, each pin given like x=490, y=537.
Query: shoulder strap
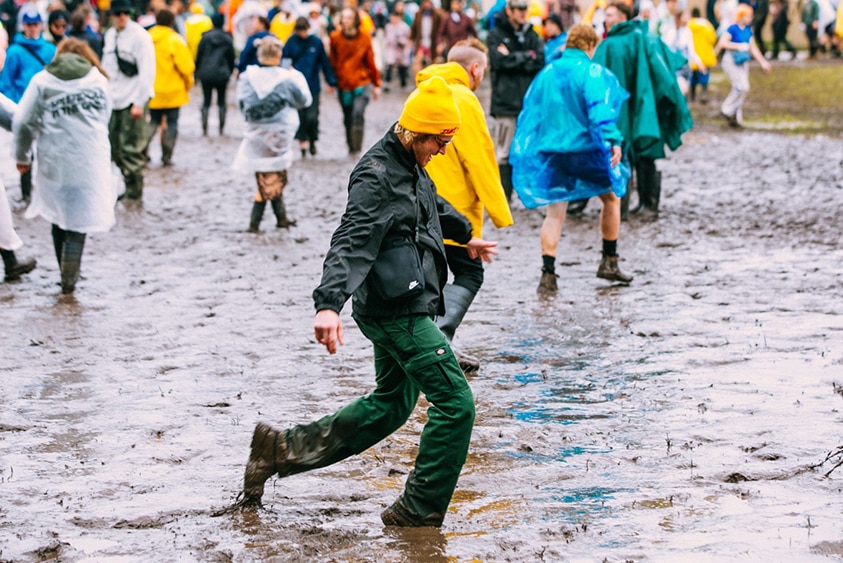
x=33, y=52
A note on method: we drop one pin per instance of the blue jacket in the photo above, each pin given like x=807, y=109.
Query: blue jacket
x=565, y=133
x=21, y=65
x=249, y=54
x=308, y=56
x=553, y=48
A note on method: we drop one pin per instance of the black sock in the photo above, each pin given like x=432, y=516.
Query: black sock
x=549, y=264
x=610, y=247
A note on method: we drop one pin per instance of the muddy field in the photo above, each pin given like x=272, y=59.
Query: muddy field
x=692, y=416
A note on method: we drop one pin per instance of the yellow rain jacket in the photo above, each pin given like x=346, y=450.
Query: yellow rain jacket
x=173, y=69
x=705, y=38
x=467, y=175
x=195, y=26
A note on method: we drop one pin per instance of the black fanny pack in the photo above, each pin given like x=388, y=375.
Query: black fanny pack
x=126, y=67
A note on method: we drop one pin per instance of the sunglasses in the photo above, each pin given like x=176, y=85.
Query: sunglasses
x=121, y=13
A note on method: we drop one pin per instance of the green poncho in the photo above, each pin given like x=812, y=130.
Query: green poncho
x=656, y=113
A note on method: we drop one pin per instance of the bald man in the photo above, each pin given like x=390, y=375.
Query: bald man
x=467, y=176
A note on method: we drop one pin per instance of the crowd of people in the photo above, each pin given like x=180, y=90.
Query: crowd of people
x=583, y=104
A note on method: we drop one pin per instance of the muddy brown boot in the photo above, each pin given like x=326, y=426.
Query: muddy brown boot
x=399, y=515
x=14, y=268
x=609, y=270
x=281, y=219
x=268, y=448
x=547, y=283
x=257, y=214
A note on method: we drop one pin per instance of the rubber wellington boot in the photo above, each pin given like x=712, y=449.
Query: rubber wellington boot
x=257, y=214
x=222, y=118
x=204, y=122
x=457, y=301
x=646, y=181
x=26, y=186
x=58, y=242
x=506, y=180
x=281, y=220
x=355, y=140
x=14, y=268
x=71, y=260
x=168, y=144
x=609, y=270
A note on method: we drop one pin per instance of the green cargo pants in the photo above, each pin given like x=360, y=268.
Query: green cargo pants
x=411, y=355
x=128, y=141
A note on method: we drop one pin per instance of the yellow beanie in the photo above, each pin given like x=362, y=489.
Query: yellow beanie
x=431, y=109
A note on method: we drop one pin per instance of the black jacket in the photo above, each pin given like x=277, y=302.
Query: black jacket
x=512, y=73
x=215, y=57
x=381, y=206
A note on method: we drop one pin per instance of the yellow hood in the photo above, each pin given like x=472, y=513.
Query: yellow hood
x=453, y=74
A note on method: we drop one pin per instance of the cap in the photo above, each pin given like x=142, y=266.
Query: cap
x=522, y=4
x=555, y=19
x=31, y=15
x=121, y=6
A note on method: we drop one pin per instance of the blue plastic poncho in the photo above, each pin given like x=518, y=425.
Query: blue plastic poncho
x=565, y=133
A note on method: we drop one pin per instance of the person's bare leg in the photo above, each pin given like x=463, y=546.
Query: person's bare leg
x=551, y=230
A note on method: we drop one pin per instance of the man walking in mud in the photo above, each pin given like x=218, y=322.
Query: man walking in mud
x=391, y=202
x=467, y=177
x=129, y=59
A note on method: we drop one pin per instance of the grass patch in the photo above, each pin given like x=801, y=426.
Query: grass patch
x=799, y=97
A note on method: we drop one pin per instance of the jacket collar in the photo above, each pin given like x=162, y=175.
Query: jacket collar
x=404, y=157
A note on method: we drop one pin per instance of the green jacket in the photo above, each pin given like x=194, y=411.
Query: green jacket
x=656, y=113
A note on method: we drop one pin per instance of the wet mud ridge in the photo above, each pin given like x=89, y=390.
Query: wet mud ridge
x=694, y=415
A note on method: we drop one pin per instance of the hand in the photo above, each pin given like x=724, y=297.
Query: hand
x=376, y=92
x=329, y=89
x=136, y=111
x=765, y=66
x=503, y=50
x=328, y=329
x=24, y=167
x=483, y=249
x=617, y=154
x=703, y=69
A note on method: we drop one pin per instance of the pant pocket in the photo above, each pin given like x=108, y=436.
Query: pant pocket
x=436, y=373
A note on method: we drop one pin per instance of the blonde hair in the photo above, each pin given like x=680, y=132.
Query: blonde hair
x=581, y=36
x=406, y=136
x=269, y=48
x=81, y=48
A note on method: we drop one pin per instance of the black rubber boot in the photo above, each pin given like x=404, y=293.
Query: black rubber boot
x=506, y=180
x=168, y=145
x=280, y=211
x=71, y=260
x=26, y=186
x=646, y=182
x=204, y=122
x=58, y=242
x=257, y=214
x=222, y=118
x=14, y=268
x=355, y=139
x=457, y=301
